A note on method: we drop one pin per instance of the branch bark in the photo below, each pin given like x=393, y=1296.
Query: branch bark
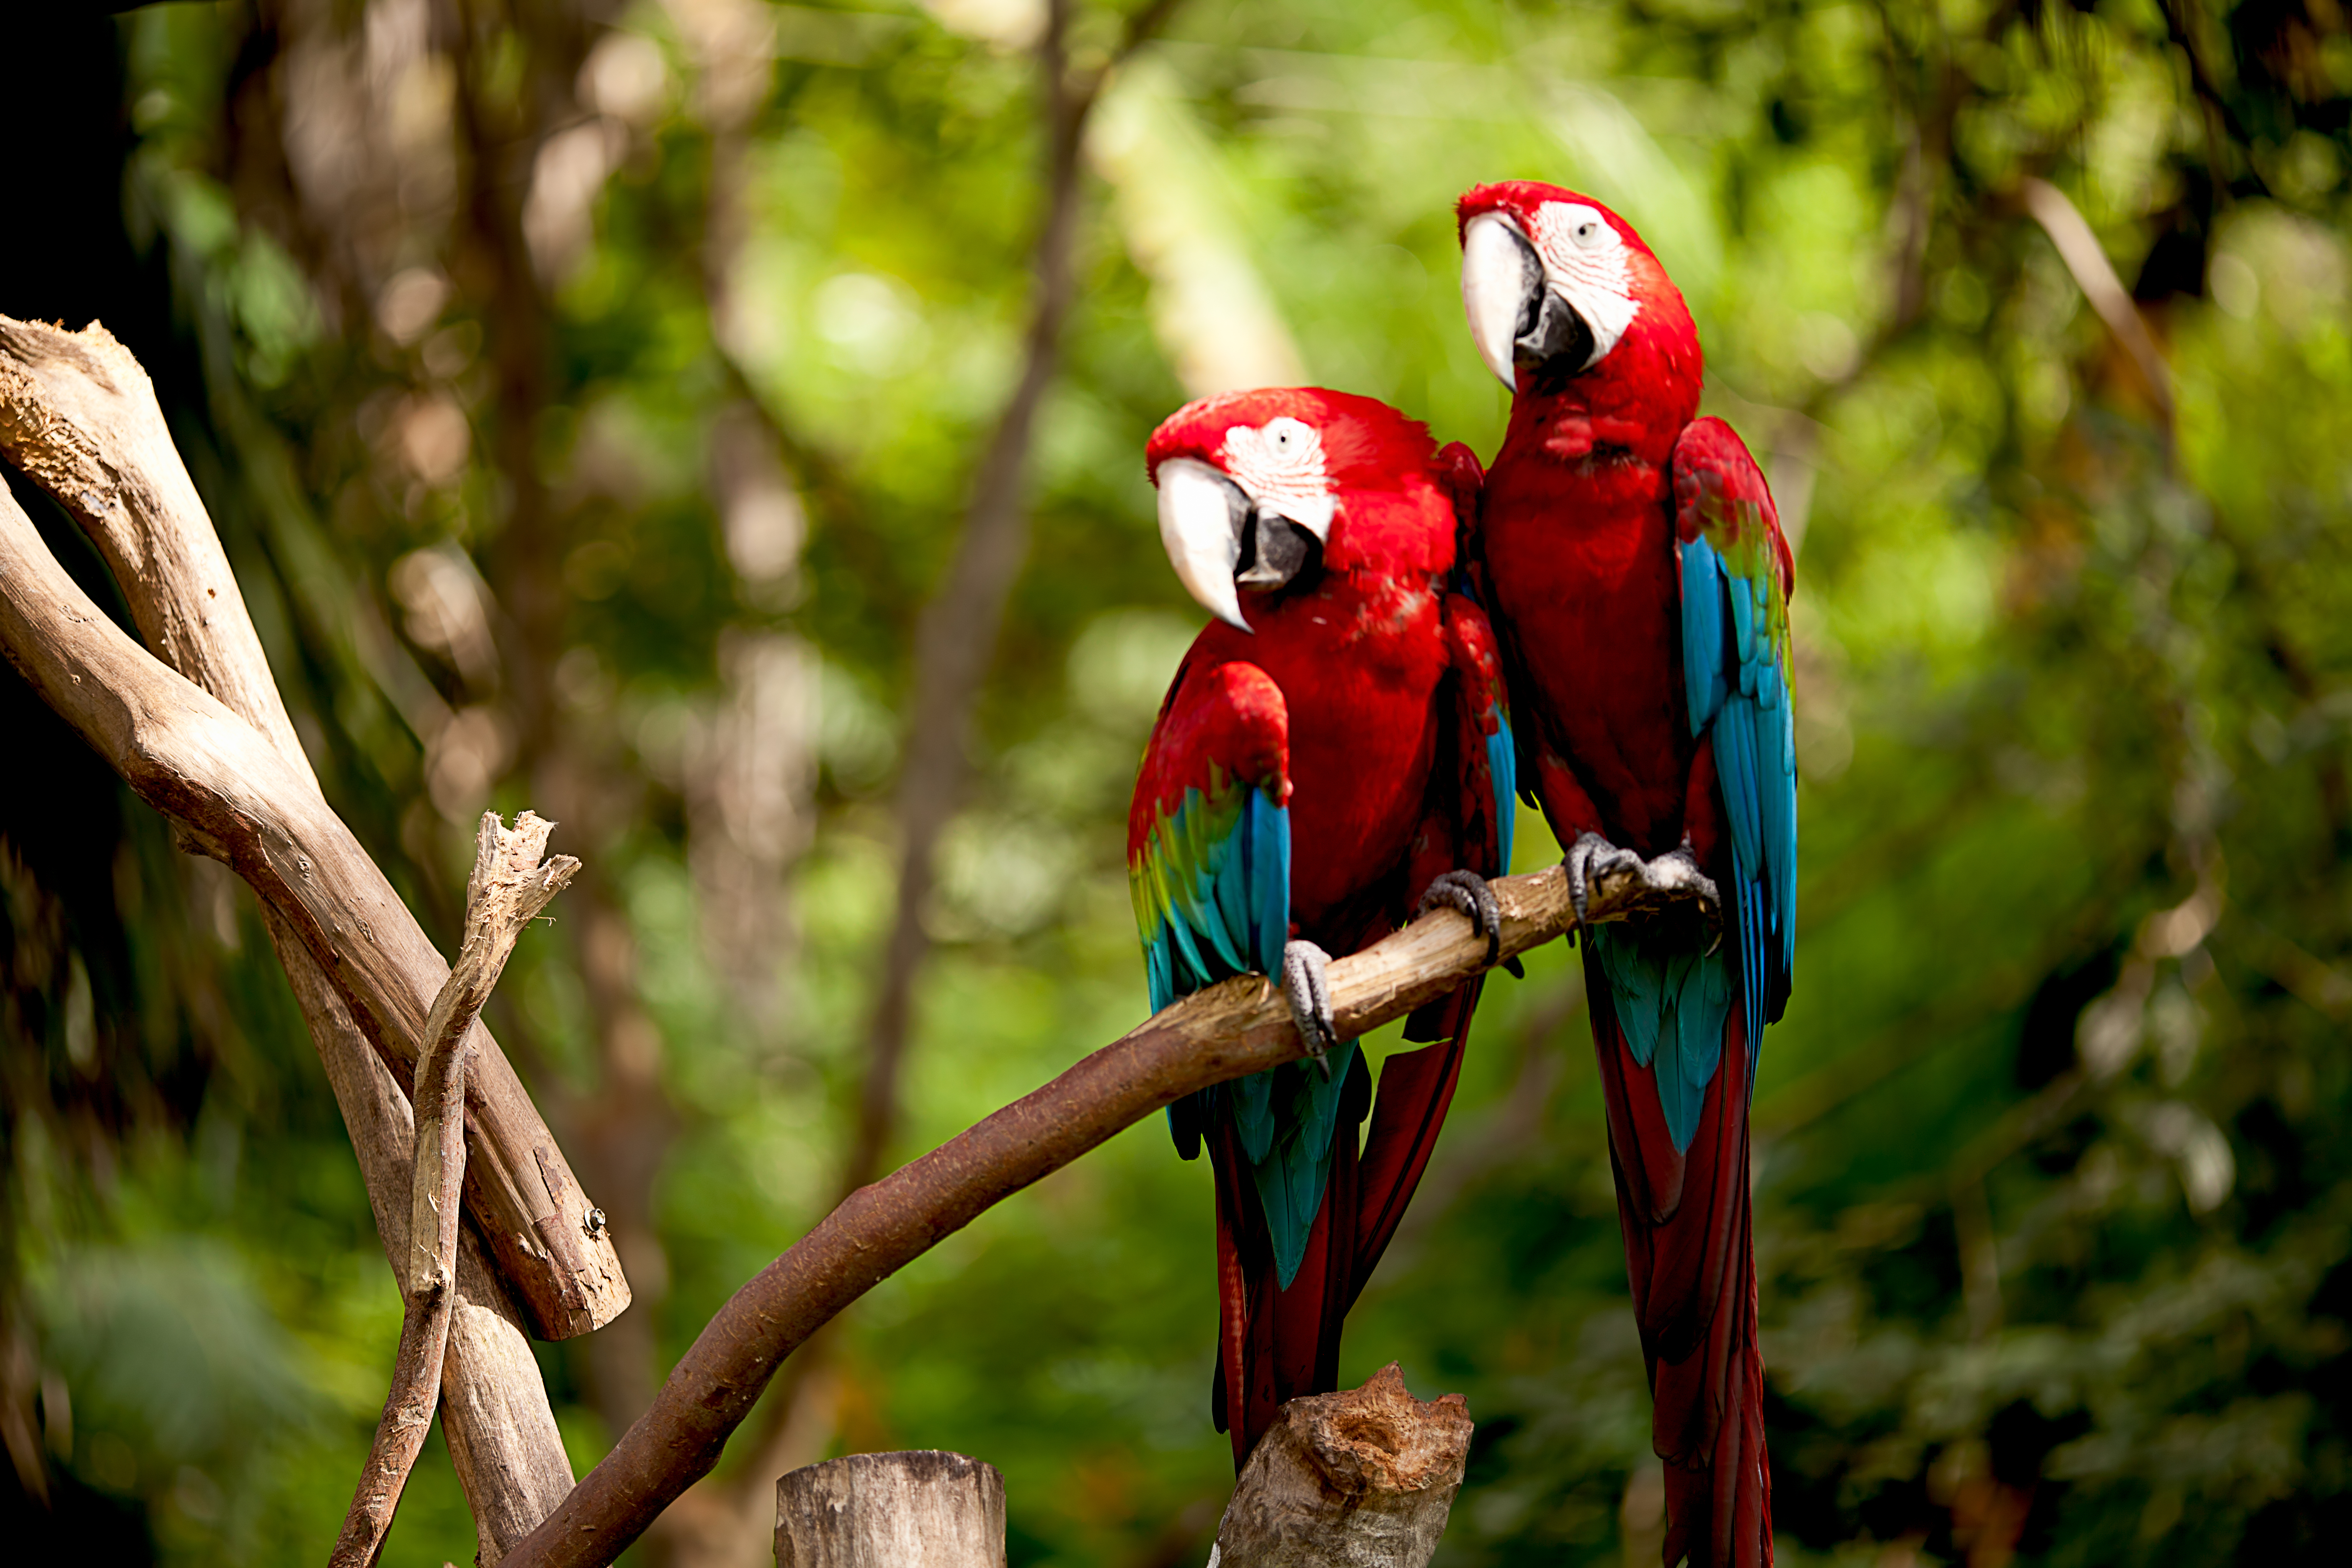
x=79, y=416
x=509, y=886
x=1240, y=1027
x=1362, y=1478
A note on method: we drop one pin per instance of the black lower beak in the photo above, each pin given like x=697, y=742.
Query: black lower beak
x=1275, y=550
x=1552, y=337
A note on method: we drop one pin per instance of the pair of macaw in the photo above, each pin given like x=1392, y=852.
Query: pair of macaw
x=1347, y=750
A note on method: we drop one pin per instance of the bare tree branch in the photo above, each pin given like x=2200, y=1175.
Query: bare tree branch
x=1241, y=1027
x=502, y=1437
x=78, y=415
x=509, y=886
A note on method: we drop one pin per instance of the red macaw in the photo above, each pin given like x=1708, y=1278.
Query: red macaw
x=1639, y=586
x=1318, y=762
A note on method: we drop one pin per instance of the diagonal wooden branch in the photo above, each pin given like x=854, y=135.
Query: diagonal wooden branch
x=509, y=886
x=78, y=413
x=79, y=416
x=1241, y=1027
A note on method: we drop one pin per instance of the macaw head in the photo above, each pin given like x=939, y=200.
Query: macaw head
x=1260, y=490
x=1559, y=291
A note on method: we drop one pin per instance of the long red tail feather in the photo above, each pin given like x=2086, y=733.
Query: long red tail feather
x=1690, y=1260
x=1274, y=1344
x=1416, y=1090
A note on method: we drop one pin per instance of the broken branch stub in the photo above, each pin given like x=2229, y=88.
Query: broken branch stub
x=923, y=1509
x=509, y=886
x=79, y=416
x=1363, y=1479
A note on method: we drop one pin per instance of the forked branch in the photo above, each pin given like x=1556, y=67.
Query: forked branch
x=509, y=886
x=78, y=415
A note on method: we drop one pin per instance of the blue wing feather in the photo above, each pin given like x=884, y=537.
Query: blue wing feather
x=1736, y=662
x=1503, y=767
x=1672, y=1005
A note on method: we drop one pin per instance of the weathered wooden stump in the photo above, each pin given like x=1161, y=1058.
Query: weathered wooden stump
x=1363, y=1479
x=925, y=1509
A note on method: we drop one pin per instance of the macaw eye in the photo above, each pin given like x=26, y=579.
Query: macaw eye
x=1589, y=233
x=1284, y=435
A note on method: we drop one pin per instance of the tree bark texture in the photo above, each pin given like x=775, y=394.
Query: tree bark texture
x=925, y=1508
x=1362, y=1478
x=1240, y=1027
x=79, y=416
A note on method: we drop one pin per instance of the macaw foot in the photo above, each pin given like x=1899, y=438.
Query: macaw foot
x=1635, y=886
x=1591, y=861
x=1674, y=878
x=1306, y=980
x=1469, y=895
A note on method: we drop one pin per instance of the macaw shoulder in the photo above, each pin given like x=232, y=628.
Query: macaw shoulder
x=1224, y=728
x=1720, y=494
x=1470, y=643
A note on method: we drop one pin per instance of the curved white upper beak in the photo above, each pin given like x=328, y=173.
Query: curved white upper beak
x=1500, y=272
x=1202, y=515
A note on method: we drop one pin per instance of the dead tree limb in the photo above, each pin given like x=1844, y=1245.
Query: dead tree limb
x=1240, y=1027
x=79, y=416
x=1361, y=1478
x=502, y=1437
x=508, y=887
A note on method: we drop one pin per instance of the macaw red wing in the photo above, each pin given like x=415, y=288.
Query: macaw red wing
x=1209, y=868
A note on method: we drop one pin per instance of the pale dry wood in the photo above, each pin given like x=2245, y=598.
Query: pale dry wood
x=1240, y=1027
x=79, y=416
x=924, y=1509
x=1363, y=1479
x=502, y=1437
x=509, y=886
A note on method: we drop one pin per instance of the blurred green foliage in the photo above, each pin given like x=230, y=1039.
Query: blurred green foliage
x=2052, y=1219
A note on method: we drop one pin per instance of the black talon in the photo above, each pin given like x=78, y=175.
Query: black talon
x=1305, y=982
x=1677, y=874
x=1467, y=894
x=1586, y=858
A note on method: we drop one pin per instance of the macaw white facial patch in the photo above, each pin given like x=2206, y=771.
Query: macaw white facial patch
x=1280, y=465
x=1587, y=264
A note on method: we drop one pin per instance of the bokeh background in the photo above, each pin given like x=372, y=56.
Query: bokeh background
x=616, y=408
